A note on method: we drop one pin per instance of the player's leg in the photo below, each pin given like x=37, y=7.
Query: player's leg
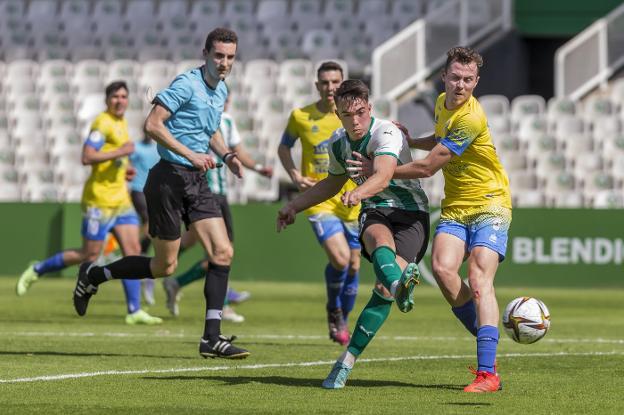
x=56, y=262
x=337, y=251
x=448, y=253
x=127, y=234
x=351, y=283
x=488, y=243
x=212, y=234
x=140, y=205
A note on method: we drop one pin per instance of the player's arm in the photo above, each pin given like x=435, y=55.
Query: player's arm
x=155, y=128
x=421, y=143
x=427, y=167
x=321, y=191
x=284, y=152
x=250, y=163
x=383, y=169
x=91, y=153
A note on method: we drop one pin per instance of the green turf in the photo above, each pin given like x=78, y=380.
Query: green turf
x=41, y=336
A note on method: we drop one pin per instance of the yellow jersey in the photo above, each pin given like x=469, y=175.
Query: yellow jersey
x=474, y=179
x=314, y=128
x=106, y=186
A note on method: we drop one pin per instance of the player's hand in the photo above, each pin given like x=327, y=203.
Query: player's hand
x=130, y=173
x=266, y=171
x=202, y=161
x=402, y=128
x=303, y=183
x=359, y=166
x=285, y=216
x=351, y=198
x=235, y=165
x=126, y=149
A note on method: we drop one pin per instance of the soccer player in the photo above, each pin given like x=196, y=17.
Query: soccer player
x=145, y=156
x=106, y=202
x=394, y=221
x=334, y=224
x=184, y=121
x=476, y=210
x=217, y=181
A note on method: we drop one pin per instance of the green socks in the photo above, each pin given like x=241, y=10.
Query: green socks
x=385, y=266
x=370, y=321
x=196, y=272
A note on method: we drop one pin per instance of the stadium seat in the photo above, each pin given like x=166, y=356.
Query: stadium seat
x=529, y=199
x=550, y=163
x=579, y=144
x=494, y=105
x=617, y=92
x=90, y=106
x=597, y=107
x=607, y=199
x=319, y=45
x=10, y=192
x=516, y=161
x=567, y=200
x=204, y=14
x=124, y=69
x=172, y=8
x=407, y=11
x=613, y=148
x=189, y=64
x=298, y=88
x=75, y=18
x=294, y=69
x=52, y=70
x=385, y=108
x=306, y=15
x=73, y=193
x=606, y=127
x=272, y=14
x=541, y=144
x=530, y=127
x=337, y=10
x=560, y=182
x=140, y=13
x=522, y=181
x=499, y=125
x=561, y=107
x=565, y=127
x=21, y=69
x=235, y=9
x=525, y=105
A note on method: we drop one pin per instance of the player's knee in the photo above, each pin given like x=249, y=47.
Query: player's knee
x=223, y=254
x=354, y=265
x=440, y=269
x=164, y=268
x=383, y=291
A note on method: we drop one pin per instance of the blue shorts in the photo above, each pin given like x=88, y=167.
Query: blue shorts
x=97, y=222
x=487, y=231
x=326, y=225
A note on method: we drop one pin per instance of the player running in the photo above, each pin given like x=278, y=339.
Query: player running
x=184, y=122
x=394, y=221
x=334, y=224
x=106, y=204
x=476, y=210
x=217, y=181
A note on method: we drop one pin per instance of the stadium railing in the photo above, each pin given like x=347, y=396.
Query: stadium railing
x=407, y=59
x=590, y=58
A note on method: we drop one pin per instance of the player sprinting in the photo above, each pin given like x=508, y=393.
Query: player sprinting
x=394, y=221
x=184, y=121
x=106, y=204
x=334, y=224
x=145, y=156
x=476, y=210
x=217, y=181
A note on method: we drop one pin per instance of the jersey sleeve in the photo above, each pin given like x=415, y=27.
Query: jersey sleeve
x=387, y=140
x=336, y=163
x=291, y=134
x=176, y=95
x=461, y=134
x=97, y=135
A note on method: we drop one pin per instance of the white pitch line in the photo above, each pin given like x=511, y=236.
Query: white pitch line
x=49, y=378
x=167, y=334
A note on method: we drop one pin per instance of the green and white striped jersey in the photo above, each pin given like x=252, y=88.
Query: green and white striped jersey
x=382, y=138
x=217, y=178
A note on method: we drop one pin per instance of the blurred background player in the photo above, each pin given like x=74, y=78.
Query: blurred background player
x=145, y=156
x=106, y=204
x=335, y=225
x=217, y=181
x=184, y=121
x=394, y=221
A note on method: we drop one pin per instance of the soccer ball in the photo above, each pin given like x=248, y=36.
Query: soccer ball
x=526, y=320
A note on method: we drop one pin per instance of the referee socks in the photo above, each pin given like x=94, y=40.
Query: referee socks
x=130, y=268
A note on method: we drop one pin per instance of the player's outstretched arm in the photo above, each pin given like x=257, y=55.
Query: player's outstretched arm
x=250, y=163
x=427, y=167
x=321, y=191
x=421, y=143
x=155, y=128
x=302, y=182
x=383, y=167
x=92, y=155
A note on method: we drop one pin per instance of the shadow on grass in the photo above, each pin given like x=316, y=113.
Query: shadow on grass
x=298, y=382
x=95, y=354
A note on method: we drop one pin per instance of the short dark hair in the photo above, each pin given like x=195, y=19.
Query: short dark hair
x=220, y=34
x=463, y=55
x=114, y=87
x=352, y=90
x=329, y=66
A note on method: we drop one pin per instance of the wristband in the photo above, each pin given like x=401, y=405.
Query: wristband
x=228, y=154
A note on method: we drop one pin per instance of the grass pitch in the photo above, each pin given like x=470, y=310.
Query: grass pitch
x=55, y=362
